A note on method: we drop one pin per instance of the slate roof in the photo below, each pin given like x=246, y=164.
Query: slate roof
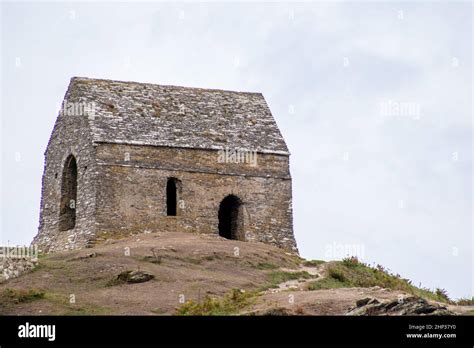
x=148, y=114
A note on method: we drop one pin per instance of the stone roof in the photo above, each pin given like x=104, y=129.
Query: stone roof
x=148, y=114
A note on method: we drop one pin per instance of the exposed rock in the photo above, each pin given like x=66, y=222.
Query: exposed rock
x=133, y=277
x=362, y=302
x=412, y=305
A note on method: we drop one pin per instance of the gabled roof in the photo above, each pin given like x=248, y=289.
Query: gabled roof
x=147, y=114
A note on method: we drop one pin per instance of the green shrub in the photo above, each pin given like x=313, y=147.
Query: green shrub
x=326, y=283
x=442, y=294
x=337, y=274
x=465, y=301
x=351, y=261
x=231, y=304
x=312, y=263
x=21, y=296
x=350, y=272
x=266, y=265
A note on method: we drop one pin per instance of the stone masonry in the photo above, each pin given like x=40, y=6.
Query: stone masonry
x=128, y=157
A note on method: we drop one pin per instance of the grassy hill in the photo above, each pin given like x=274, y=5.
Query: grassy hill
x=190, y=274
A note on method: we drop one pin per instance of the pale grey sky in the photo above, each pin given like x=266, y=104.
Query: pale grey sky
x=374, y=100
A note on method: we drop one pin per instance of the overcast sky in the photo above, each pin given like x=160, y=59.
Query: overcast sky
x=374, y=101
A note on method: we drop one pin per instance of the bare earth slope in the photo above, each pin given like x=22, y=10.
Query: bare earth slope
x=197, y=274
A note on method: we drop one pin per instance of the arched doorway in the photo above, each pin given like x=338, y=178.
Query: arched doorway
x=67, y=210
x=231, y=224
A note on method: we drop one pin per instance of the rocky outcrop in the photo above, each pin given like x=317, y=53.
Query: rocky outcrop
x=412, y=305
x=132, y=277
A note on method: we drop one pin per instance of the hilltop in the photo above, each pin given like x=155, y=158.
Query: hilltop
x=186, y=274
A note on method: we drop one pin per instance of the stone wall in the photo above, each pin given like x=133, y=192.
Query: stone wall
x=132, y=184
x=121, y=190
x=70, y=136
x=14, y=267
x=192, y=160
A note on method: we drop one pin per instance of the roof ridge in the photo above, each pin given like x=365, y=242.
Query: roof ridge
x=90, y=79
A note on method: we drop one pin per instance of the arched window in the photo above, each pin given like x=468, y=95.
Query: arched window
x=172, y=196
x=231, y=224
x=67, y=210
